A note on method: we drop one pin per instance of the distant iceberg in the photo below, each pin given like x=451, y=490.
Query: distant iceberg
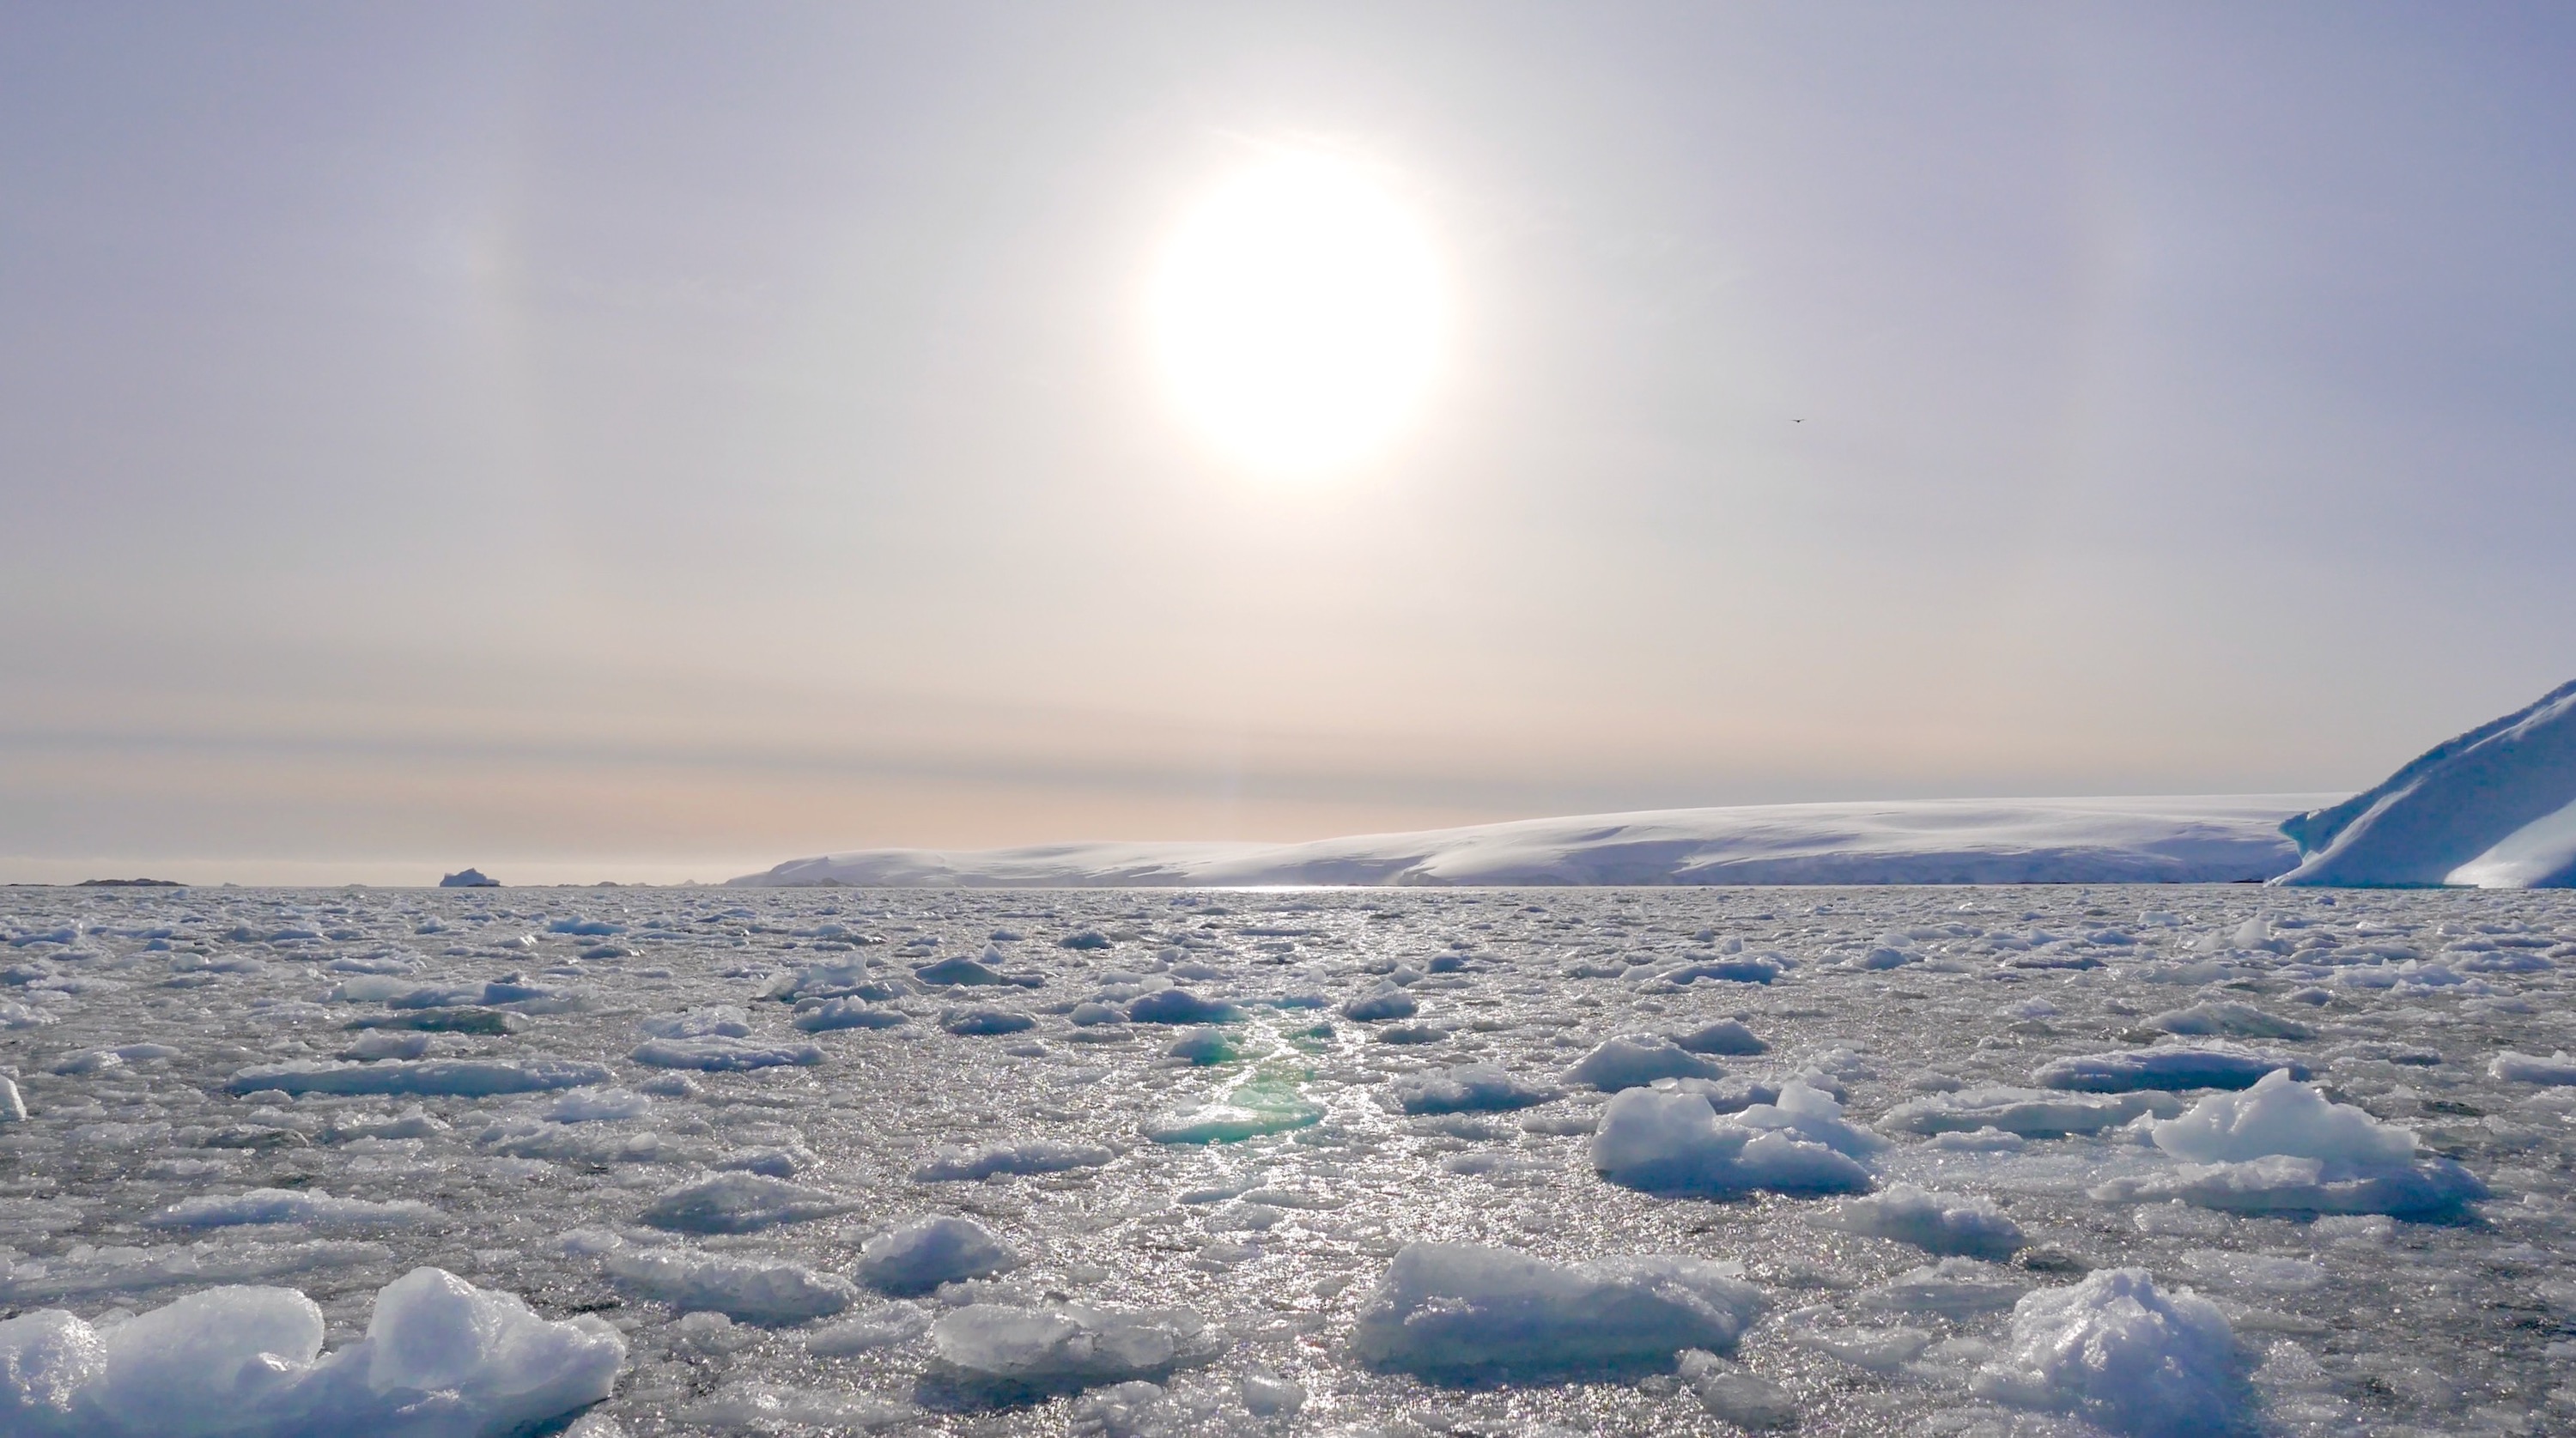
x=2187, y=840
x=469, y=879
x=2494, y=808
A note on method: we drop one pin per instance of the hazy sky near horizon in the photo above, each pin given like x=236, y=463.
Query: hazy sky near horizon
x=644, y=438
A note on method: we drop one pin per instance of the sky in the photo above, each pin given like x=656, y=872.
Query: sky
x=654, y=441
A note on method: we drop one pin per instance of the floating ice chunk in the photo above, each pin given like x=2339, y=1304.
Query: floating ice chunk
x=1953, y=1287
x=1454, y=1310
x=2229, y=1020
x=1386, y=1001
x=1879, y=1350
x=750, y=1288
x=880, y=1327
x=1735, y=971
x=2295, y=1187
x=1180, y=1006
x=821, y=981
x=969, y=972
x=1811, y=1114
x=2283, y=1147
x=985, y=1023
x=999, y=1353
x=134, y=1270
x=924, y=1254
x=1735, y=1394
x=723, y=1055
x=48, y=1359
x=592, y=1105
x=1634, y=1060
x=2168, y=1069
x=2130, y=1356
x=740, y=1203
x=765, y=1408
x=1726, y=1036
x=719, y=1021
x=1132, y=1409
x=2281, y=1116
x=1468, y=1088
x=374, y=1044
x=15, y=1015
x=2511, y=1067
x=849, y=1012
x=1267, y=1395
x=441, y=1359
x=1670, y=1142
x=13, y=1108
x=1936, y=1222
x=2026, y=1113
x=953, y=1164
x=292, y=1205
x=1205, y=1046
x=2256, y=1270
x=458, y=1078
x=1093, y=1014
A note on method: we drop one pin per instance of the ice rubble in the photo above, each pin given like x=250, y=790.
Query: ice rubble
x=2558, y=1069
x=2135, y=1358
x=919, y=1256
x=2282, y=1147
x=1944, y=1223
x=427, y=1077
x=440, y=1359
x=1634, y=1060
x=993, y=1353
x=1673, y=1141
x=2171, y=1069
x=752, y=1288
x=1467, y=1088
x=2494, y=807
x=1460, y=1310
x=740, y=1203
x=957, y=1164
x=291, y=1205
x=2023, y=1112
x=1996, y=841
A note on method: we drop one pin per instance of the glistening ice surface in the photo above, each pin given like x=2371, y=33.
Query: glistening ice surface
x=2043, y=1161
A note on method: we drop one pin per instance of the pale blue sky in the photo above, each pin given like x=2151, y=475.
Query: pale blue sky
x=623, y=440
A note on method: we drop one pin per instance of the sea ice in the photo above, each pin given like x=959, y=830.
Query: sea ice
x=2282, y=1147
x=1634, y=1060
x=752, y=1288
x=997, y=1353
x=1467, y=1088
x=440, y=1359
x=2022, y=1112
x=1454, y=1310
x=740, y=1203
x=1936, y=1222
x=2169, y=1069
x=292, y=1205
x=954, y=1164
x=2510, y=1067
x=459, y=1078
x=2135, y=1358
x=1674, y=1142
x=921, y=1255
x=722, y=1055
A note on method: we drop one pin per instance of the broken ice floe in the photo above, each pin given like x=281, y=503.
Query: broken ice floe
x=1674, y=1142
x=1943, y=1223
x=440, y=1359
x=1448, y=1310
x=2281, y=1147
x=2135, y=1358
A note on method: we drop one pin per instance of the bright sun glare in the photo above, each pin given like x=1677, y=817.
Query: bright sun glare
x=1298, y=315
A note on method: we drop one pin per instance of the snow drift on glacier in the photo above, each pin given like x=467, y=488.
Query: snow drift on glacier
x=2494, y=808
x=1948, y=841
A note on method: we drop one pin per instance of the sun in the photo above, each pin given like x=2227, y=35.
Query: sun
x=1297, y=315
